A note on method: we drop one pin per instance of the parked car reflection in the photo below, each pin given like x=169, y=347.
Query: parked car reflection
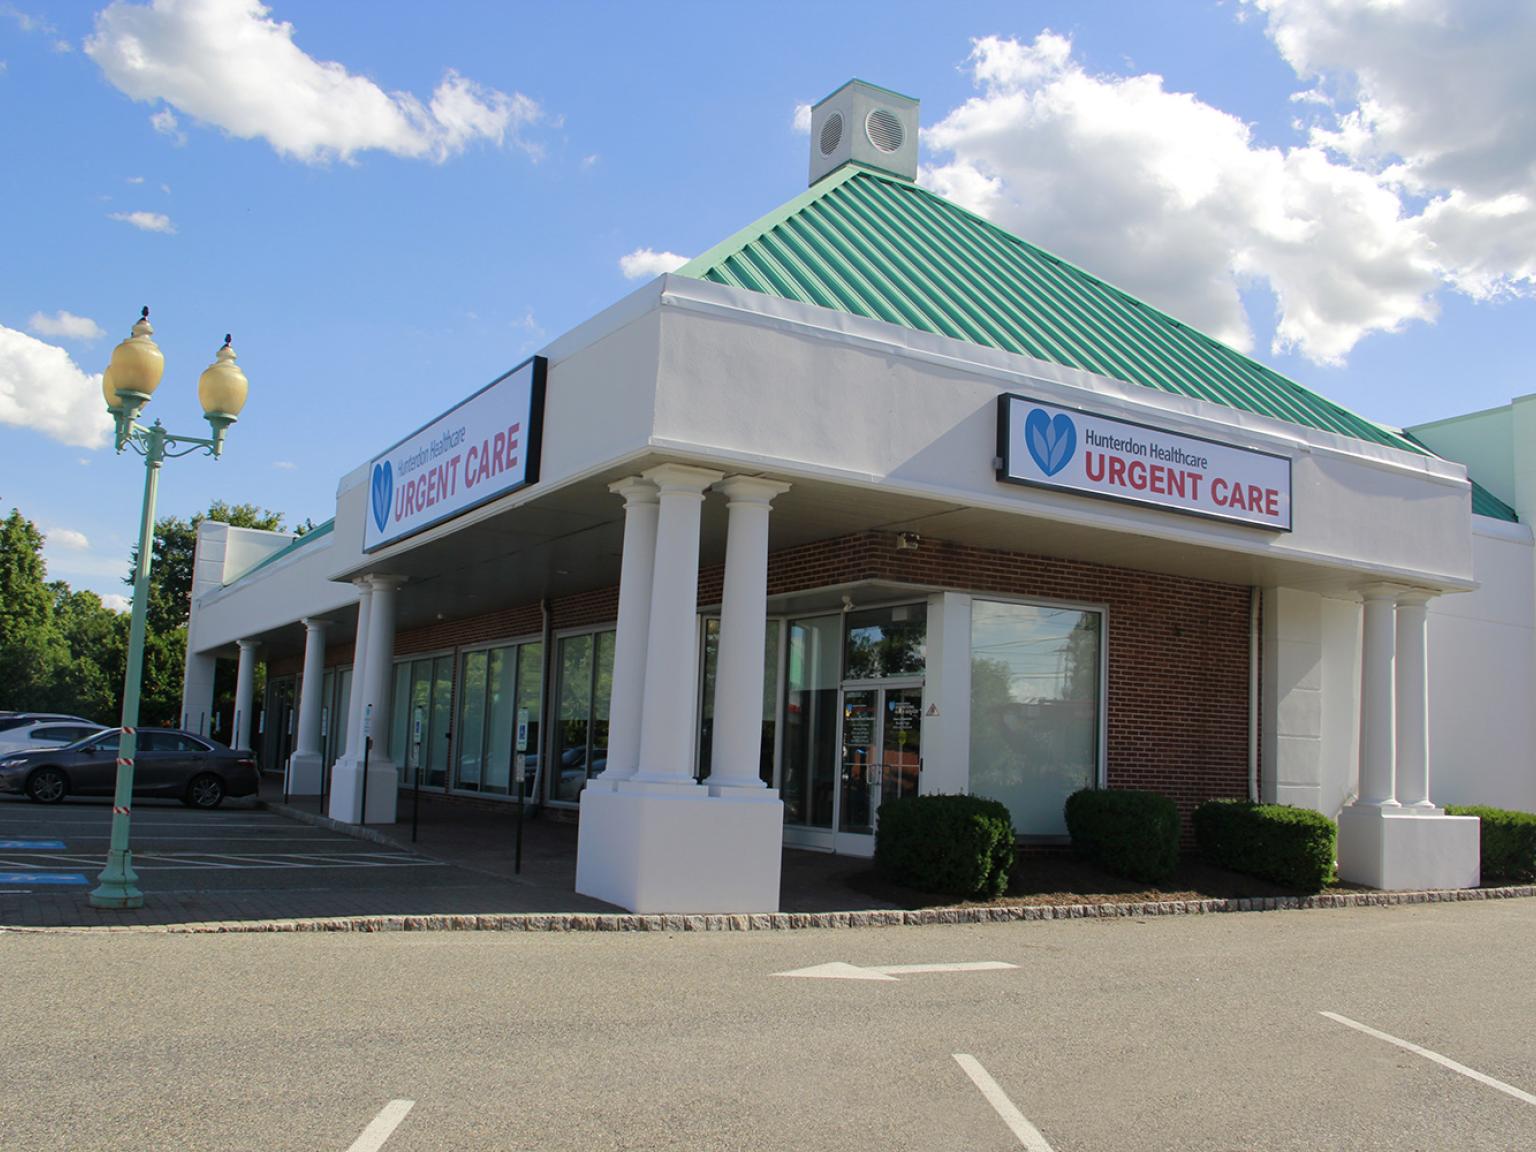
x=51, y=733
x=169, y=762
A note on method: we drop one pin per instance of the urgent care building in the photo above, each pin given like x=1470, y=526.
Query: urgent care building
x=872, y=499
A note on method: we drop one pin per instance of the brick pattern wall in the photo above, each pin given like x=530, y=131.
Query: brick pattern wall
x=1178, y=648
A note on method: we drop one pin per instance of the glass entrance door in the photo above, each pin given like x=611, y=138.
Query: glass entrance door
x=882, y=755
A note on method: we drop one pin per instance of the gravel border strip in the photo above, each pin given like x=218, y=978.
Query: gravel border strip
x=779, y=921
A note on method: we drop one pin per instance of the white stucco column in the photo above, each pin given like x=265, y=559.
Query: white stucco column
x=355, y=698
x=626, y=704
x=378, y=673
x=1413, y=702
x=671, y=656
x=738, y=728
x=245, y=690
x=197, y=693
x=304, y=766
x=372, y=695
x=1377, y=690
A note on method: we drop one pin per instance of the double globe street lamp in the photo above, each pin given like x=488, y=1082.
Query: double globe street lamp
x=128, y=384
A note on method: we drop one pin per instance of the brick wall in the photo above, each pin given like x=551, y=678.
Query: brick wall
x=1178, y=648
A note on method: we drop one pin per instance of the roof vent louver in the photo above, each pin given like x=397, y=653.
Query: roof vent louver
x=888, y=141
x=831, y=133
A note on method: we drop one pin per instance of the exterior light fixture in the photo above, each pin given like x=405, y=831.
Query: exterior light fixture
x=128, y=385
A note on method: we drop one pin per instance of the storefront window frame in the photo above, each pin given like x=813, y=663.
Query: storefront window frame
x=775, y=624
x=549, y=704
x=1101, y=768
x=407, y=781
x=516, y=643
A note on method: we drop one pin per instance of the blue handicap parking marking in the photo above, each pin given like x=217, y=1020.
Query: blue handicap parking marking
x=42, y=878
x=39, y=845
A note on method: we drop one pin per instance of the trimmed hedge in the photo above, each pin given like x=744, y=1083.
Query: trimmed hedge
x=963, y=845
x=1509, y=840
x=1291, y=846
x=1134, y=834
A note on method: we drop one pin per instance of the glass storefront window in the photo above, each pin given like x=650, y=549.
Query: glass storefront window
x=810, y=720
x=1035, y=702
x=770, y=698
x=885, y=642
x=581, y=718
x=490, y=697
x=423, y=691
x=530, y=683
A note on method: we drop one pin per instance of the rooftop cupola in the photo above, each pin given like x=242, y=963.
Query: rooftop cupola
x=863, y=124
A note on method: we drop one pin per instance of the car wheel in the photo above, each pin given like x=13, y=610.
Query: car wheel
x=48, y=785
x=205, y=791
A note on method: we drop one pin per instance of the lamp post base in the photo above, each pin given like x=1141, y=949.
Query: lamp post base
x=119, y=885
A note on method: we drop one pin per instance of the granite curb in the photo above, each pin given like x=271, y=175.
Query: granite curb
x=780, y=921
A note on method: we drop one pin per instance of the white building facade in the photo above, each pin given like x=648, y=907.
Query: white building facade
x=871, y=500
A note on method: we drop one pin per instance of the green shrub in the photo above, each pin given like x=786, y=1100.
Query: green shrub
x=1291, y=846
x=1509, y=841
x=962, y=845
x=1134, y=834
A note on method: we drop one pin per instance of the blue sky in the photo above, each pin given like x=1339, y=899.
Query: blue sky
x=388, y=205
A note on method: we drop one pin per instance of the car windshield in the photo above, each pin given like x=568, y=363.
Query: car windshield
x=101, y=740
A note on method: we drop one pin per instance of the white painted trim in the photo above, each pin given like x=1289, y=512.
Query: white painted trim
x=1071, y=384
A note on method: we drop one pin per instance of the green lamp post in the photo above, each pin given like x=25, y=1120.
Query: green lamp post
x=128, y=383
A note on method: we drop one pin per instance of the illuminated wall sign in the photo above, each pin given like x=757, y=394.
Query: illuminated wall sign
x=483, y=448
x=1053, y=447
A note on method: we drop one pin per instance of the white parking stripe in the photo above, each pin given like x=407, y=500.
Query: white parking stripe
x=1028, y=1135
x=1443, y=1061
x=382, y=1126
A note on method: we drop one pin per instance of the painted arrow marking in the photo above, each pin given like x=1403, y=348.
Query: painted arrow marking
x=838, y=970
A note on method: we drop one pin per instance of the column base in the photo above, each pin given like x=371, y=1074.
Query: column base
x=306, y=773
x=680, y=852
x=1397, y=848
x=347, y=790
x=751, y=791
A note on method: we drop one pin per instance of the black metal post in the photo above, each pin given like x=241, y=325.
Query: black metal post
x=416, y=800
x=362, y=817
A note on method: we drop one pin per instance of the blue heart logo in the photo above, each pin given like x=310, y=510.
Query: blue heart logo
x=1051, y=442
x=383, y=493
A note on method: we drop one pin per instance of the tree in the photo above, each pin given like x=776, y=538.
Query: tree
x=31, y=649
x=90, y=681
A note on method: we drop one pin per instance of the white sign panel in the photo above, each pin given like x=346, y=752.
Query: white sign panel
x=482, y=449
x=1055, y=447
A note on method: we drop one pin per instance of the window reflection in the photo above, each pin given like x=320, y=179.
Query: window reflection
x=1035, y=676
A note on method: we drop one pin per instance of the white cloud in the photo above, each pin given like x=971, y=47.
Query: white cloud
x=643, y=263
x=145, y=221
x=135, y=179
x=1173, y=200
x=284, y=465
x=165, y=123
x=590, y=162
x=227, y=63
x=116, y=602
x=1435, y=96
x=802, y=120
x=42, y=388
x=65, y=326
x=67, y=538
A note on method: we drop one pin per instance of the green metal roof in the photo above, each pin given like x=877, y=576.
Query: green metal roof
x=874, y=245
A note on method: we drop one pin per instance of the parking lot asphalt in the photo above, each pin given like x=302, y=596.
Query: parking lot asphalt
x=240, y=862
x=1195, y=1034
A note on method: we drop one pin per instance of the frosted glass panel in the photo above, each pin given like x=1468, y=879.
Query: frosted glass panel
x=1035, y=675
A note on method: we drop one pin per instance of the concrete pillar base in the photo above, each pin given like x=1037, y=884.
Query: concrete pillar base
x=1396, y=848
x=679, y=852
x=306, y=773
x=347, y=790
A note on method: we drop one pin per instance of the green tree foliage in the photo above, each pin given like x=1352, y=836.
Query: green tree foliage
x=31, y=647
x=65, y=651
